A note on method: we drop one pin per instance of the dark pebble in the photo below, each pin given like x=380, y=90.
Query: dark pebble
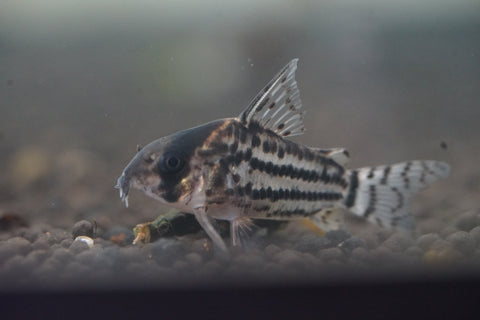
x=181, y=265
x=66, y=243
x=331, y=254
x=414, y=251
x=77, y=269
x=82, y=228
x=475, y=234
x=250, y=262
x=468, y=220
x=122, y=256
x=462, y=241
x=352, y=243
x=337, y=236
x=38, y=256
x=212, y=267
x=361, y=254
x=31, y=234
x=166, y=251
x=49, y=269
x=448, y=230
x=45, y=237
x=62, y=255
x=11, y=220
x=5, y=251
x=194, y=259
x=57, y=235
x=381, y=256
x=40, y=244
x=427, y=240
x=312, y=243
x=18, y=266
x=202, y=247
x=89, y=256
x=19, y=245
x=289, y=259
x=441, y=244
x=398, y=242
x=77, y=247
x=272, y=250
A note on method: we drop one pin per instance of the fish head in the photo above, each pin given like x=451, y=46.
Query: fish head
x=145, y=171
x=163, y=169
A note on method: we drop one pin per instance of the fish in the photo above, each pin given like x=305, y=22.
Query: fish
x=243, y=168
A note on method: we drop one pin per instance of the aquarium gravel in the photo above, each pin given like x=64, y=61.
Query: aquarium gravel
x=45, y=257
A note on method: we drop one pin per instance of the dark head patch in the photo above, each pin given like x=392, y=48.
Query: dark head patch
x=178, y=149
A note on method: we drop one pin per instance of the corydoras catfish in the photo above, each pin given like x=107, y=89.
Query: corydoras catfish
x=244, y=168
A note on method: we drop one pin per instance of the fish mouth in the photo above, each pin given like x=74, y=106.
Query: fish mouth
x=123, y=186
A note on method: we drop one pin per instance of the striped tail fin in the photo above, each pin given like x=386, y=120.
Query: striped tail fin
x=382, y=194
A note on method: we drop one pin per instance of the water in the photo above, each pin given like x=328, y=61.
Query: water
x=81, y=84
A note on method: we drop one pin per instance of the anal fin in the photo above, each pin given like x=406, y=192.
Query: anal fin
x=329, y=219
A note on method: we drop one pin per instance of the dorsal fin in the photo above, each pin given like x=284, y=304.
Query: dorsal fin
x=277, y=106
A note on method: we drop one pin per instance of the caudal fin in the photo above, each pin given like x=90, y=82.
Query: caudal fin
x=382, y=194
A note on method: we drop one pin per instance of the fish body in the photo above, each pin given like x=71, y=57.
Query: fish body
x=244, y=168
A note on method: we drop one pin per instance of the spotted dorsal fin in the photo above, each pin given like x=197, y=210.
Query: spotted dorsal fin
x=277, y=106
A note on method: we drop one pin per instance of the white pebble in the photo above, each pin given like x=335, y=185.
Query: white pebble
x=85, y=239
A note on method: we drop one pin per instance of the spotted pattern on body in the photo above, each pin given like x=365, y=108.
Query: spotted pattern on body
x=245, y=168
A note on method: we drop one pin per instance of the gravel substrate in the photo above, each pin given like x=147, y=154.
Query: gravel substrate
x=45, y=257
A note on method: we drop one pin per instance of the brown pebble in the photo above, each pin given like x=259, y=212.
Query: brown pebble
x=11, y=220
x=442, y=257
x=118, y=238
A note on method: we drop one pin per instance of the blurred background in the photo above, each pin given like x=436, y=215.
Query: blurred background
x=83, y=82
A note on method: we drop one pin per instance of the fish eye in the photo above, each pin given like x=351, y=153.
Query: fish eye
x=171, y=162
